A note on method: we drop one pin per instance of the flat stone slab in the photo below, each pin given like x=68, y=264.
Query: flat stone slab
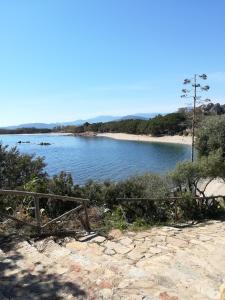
x=162, y=263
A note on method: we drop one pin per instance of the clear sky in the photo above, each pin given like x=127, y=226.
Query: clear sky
x=62, y=60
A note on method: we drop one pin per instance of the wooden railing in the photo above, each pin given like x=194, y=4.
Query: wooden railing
x=38, y=217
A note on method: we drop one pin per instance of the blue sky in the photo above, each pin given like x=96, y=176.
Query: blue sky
x=62, y=60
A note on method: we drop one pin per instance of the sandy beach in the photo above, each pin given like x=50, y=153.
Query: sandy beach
x=176, y=139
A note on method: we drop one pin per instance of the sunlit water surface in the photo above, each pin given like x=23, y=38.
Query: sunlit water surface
x=100, y=158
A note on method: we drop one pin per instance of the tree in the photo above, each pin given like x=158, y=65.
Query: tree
x=193, y=93
x=17, y=169
x=211, y=136
x=194, y=177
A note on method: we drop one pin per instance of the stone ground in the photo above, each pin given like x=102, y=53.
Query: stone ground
x=163, y=263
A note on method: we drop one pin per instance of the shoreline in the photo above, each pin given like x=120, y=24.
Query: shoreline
x=169, y=139
x=175, y=139
x=47, y=133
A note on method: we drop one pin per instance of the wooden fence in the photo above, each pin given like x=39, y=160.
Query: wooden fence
x=38, y=217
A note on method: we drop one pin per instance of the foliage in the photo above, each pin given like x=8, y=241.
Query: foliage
x=38, y=185
x=18, y=169
x=143, y=186
x=61, y=184
x=169, y=124
x=116, y=219
x=190, y=208
x=24, y=130
x=188, y=176
x=211, y=136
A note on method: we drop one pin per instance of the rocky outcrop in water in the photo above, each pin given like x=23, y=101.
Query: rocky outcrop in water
x=44, y=144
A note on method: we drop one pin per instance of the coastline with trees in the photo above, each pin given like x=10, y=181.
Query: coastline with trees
x=25, y=172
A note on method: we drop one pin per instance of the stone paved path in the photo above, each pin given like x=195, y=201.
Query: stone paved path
x=158, y=264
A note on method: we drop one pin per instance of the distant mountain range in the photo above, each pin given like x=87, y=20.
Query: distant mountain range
x=143, y=116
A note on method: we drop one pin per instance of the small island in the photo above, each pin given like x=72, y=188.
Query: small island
x=44, y=144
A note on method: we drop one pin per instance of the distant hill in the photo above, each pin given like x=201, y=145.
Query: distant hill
x=141, y=116
x=97, y=119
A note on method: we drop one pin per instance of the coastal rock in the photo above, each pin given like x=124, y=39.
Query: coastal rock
x=44, y=144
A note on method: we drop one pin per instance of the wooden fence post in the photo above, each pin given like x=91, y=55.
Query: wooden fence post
x=87, y=223
x=37, y=214
x=176, y=215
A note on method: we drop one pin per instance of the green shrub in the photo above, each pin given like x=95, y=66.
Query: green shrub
x=18, y=169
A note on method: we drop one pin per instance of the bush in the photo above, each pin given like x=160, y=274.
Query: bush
x=17, y=169
x=211, y=136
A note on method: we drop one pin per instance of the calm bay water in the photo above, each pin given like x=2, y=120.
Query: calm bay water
x=100, y=158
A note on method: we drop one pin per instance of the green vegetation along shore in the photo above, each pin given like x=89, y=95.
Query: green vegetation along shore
x=24, y=131
x=24, y=172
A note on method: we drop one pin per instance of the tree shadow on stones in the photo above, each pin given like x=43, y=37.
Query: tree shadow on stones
x=27, y=286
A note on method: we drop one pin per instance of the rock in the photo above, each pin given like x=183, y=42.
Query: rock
x=109, y=273
x=122, y=249
x=76, y=246
x=155, y=250
x=159, y=238
x=166, y=296
x=195, y=242
x=95, y=249
x=143, y=284
x=125, y=283
x=110, y=245
x=109, y=251
x=142, y=235
x=117, y=247
x=131, y=233
x=98, y=239
x=126, y=241
x=44, y=144
x=105, y=284
x=60, y=253
x=124, y=269
x=115, y=234
x=135, y=272
x=75, y=268
x=61, y=270
x=204, y=238
x=135, y=255
x=106, y=294
x=174, y=242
